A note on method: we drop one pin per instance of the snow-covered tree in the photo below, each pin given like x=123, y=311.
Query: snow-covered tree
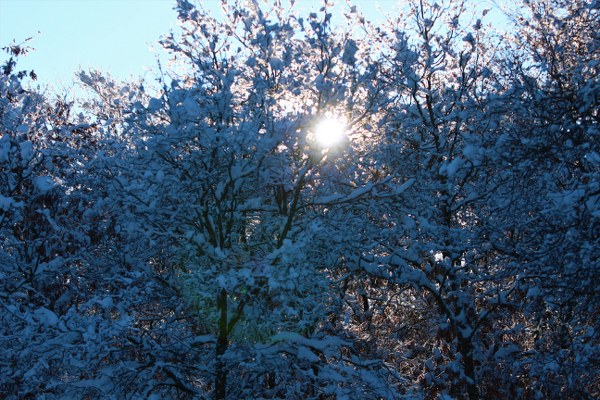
x=433, y=241
x=234, y=189
x=550, y=149
x=209, y=240
x=40, y=237
x=64, y=265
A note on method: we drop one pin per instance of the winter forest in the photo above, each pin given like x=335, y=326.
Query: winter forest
x=311, y=207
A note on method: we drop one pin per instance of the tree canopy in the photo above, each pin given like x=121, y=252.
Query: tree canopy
x=209, y=241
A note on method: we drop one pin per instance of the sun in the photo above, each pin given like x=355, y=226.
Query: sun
x=330, y=131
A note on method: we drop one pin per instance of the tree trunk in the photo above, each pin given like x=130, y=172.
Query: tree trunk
x=466, y=350
x=222, y=341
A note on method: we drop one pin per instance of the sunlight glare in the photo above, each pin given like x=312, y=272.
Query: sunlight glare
x=330, y=131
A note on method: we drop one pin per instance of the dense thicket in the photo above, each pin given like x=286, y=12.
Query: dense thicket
x=202, y=242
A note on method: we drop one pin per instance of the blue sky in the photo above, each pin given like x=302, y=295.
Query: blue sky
x=115, y=36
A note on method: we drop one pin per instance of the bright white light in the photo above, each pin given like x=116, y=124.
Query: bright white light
x=330, y=131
